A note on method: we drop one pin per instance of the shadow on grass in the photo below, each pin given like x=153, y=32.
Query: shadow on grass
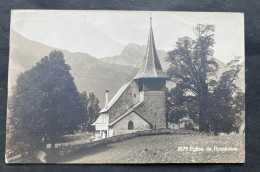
x=20, y=160
x=85, y=152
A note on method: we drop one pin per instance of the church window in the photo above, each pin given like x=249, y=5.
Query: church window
x=130, y=125
x=134, y=95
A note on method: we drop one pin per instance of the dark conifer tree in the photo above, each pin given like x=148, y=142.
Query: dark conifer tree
x=91, y=106
x=45, y=102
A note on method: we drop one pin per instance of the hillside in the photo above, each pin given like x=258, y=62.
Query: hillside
x=164, y=149
x=90, y=74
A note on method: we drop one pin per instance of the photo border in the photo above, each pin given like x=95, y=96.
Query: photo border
x=252, y=65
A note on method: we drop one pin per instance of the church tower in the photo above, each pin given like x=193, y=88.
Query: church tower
x=152, y=86
x=139, y=104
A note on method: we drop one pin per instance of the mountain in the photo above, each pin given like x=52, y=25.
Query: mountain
x=90, y=74
x=241, y=77
x=133, y=55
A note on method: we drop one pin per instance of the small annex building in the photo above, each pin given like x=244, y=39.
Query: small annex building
x=141, y=103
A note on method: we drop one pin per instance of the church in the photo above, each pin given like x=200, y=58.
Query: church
x=141, y=103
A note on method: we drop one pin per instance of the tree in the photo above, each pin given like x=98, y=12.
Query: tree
x=227, y=102
x=91, y=106
x=197, y=90
x=45, y=101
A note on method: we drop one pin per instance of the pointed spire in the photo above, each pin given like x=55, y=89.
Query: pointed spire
x=151, y=66
x=151, y=19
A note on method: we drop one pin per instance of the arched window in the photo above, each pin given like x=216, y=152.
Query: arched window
x=130, y=125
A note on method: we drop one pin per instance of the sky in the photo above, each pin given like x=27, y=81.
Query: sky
x=106, y=33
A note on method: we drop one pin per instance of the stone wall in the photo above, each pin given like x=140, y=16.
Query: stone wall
x=60, y=153
x=128, y=98
x=153, y=109
x=118, y=138
x=139, y=124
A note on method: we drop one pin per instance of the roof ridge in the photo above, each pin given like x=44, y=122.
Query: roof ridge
x=115, y=97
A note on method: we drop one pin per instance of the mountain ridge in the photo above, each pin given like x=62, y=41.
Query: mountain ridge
x=133, y=55
x=90, y=74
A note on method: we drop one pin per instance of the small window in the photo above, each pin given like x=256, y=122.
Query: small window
x=134, y=95
x=155, y=114
x=130, y=125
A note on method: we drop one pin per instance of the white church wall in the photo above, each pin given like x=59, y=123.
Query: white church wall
x=102, y=122
x=141, y=96
x=110, y=132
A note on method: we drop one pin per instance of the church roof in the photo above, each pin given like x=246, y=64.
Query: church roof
x=115, y=98
x=151, y=66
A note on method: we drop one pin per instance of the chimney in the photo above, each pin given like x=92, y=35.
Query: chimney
x=106, y=104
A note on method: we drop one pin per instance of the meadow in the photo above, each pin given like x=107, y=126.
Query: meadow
x=165, y=148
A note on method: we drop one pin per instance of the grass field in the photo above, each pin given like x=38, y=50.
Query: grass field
x=166, y=149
